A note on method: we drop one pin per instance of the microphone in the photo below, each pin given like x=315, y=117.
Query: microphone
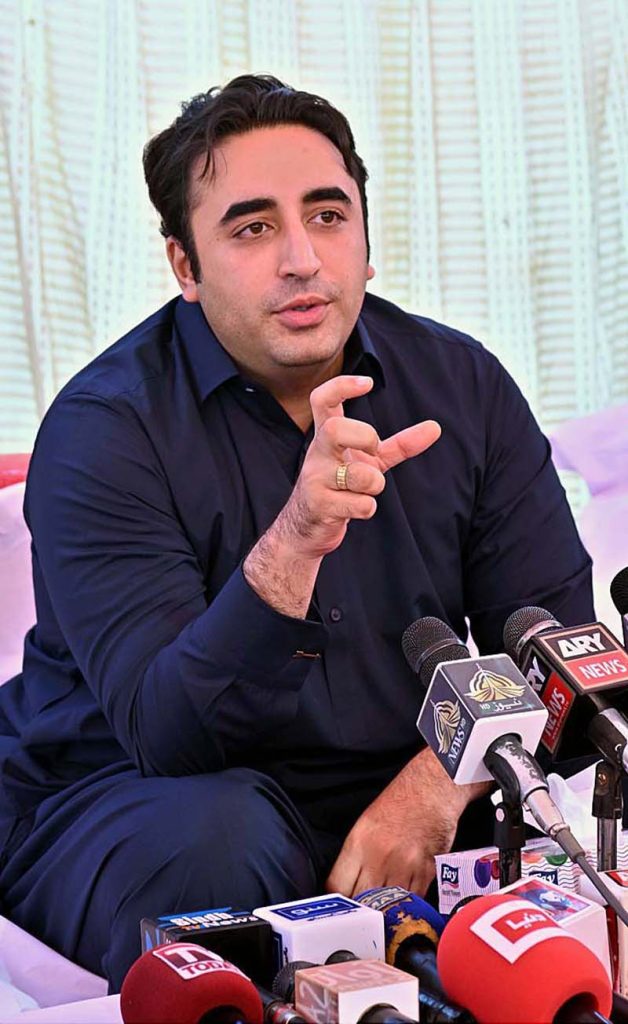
x=581, y=675
x=512, y=964
x=284, y=980
x=582, y=918
x=619, y=594
x=474, y=718
x=433, y=1005
x=479, y=715
x=182, y=983
x=412, y=929
x=276, y=1011
x=349, y=991
x=235, y=935
x=313, y=928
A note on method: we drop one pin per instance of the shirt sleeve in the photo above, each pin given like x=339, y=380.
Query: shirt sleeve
x=184, y=683
x=523, y=547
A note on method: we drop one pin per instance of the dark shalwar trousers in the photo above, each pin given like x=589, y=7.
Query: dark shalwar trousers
x=97, y=858
x=91, y=861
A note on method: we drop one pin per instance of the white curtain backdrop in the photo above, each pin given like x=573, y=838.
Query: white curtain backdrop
x=495, y=133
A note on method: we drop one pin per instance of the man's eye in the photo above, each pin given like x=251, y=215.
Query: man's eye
x=330, y=216
x=252, y=230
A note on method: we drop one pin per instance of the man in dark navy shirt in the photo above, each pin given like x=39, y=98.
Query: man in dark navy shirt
x=236, y=510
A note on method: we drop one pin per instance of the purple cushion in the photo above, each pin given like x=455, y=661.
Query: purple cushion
x=596, y=447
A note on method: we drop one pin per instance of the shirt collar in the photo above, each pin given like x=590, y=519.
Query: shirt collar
x=361, y=355
x=212, y=365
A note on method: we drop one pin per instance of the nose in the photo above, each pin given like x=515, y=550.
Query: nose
x=298, y=256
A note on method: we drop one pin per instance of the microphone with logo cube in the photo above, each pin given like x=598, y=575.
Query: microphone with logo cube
x=183, y=983
x=238, y=936
x=412, y=928
x=479, y=715
x=619, y=594
x=581, y=917
x=314, y=928
x=581, y=676
x=510, y=961
x=355, y=991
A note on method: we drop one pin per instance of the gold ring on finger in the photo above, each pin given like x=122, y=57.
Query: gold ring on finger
x=341, y=477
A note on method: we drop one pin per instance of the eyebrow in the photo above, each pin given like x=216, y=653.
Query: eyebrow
x=322, y=195
x=262, y=203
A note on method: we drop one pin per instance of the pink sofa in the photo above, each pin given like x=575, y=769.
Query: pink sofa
x=17, y=607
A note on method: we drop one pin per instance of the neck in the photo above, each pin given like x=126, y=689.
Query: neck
x=293, y=388
x=298, y=409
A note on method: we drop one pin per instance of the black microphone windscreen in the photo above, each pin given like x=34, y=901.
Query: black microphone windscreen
x=427, y=642
x=520, y=622
x=619, y=591
x=283, y=985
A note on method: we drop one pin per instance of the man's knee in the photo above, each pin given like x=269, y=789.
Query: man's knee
x=134, y=847
x=231, y=827
x=230, y=839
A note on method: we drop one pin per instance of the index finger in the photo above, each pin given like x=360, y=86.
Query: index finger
x=407, y=443
x=326, y=400
x=343, y=876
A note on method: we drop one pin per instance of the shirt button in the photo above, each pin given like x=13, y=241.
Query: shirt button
x=335, y=614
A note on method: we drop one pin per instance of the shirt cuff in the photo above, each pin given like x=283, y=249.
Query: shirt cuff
x=259, y=642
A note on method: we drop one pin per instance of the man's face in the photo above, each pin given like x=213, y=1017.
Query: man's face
x=280, y=226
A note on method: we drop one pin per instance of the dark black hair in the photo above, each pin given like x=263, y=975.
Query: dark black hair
x=246, y=103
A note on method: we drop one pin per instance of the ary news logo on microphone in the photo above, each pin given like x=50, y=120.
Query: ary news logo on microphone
x=590, y=656
x=189, y=961
x=593, y=656
x=475, y=697
x=514, y=927
x=571, y=662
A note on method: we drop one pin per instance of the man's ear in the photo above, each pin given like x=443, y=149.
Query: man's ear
x=181, y=269
x=370, y=272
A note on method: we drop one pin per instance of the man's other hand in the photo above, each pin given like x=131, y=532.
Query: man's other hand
x=395, y=840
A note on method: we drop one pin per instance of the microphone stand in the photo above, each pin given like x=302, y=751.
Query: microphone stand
x=509, y=837
x=607, y=807
x=515, y=770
